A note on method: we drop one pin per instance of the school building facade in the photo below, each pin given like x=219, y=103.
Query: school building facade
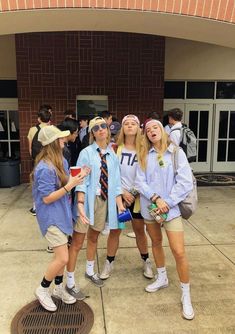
x=127, y=56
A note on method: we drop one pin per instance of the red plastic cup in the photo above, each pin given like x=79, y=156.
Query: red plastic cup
x=75, y=170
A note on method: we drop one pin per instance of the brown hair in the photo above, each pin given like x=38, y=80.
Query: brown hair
x=52, y=155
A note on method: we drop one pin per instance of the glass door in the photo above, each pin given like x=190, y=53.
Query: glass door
x=198, y=116
x=224, y=143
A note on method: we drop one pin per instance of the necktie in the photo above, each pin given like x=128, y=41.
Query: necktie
x=103, y=176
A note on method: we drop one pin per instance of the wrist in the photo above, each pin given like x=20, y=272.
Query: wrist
x=154, y=198
x=66, y=189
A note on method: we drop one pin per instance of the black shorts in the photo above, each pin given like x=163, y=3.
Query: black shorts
x=135, y=215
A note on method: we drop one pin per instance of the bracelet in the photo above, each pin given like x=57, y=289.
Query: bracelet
x=81, y=202
x=66, y=189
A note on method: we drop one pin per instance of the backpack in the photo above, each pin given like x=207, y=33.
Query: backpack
x=36, y=145
x=188, y=142
x=189, y=205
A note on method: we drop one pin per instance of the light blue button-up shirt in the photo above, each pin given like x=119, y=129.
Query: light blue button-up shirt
x=90, y=157
x=173, y=188
x=57, y=213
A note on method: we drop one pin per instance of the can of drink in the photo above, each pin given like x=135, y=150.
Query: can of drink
x=160, y=218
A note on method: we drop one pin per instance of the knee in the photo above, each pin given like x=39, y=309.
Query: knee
x=179, y=254
x=64, y=259
x=157, y=242
x=114, y=234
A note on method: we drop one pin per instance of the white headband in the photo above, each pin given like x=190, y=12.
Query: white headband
x=153, y=121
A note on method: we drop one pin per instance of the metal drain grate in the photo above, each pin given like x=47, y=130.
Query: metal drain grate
x=68, y=319
x=215, y=179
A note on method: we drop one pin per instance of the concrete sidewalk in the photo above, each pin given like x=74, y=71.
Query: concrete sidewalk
x=123, y=306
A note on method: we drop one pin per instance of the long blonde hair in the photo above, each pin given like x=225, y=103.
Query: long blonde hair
x=146, y=145
x=138, y=140
x=52, y=155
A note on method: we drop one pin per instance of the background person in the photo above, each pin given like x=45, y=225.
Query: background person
x=44, y=117
x=174, y=118
x=158, y=183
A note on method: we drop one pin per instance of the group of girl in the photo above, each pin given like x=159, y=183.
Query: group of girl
x=139, y=174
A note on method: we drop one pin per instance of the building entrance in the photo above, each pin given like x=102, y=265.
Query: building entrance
x=214, y=127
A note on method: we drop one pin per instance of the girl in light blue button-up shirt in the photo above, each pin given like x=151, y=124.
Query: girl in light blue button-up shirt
x=158, y=183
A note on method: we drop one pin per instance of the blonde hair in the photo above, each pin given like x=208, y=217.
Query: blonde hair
x=138, y=141
x=52, y=155
x=92, y=137
x=146, y=145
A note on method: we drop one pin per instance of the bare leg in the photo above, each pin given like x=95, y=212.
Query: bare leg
x=141, y=238
x=77, y=242
x=155, y=233
x=113, y=242
x=176, y=242
x=56, y=266
x=92, y=238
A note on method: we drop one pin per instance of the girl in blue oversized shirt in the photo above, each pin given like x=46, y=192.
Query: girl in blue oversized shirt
x=158, y=183
x=51, y=185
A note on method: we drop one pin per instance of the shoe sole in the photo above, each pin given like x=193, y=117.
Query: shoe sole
x=148, y=276
x=161, y=287
x=186, y=317
x=66, y=302
x=45, y=306
x=104, y=277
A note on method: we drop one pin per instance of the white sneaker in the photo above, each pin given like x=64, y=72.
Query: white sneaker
x=148, y=271
x=44, y=298
x=187, y=311
x=131, y=235
x=157, y=285
x=106, y=272
x=60, y=293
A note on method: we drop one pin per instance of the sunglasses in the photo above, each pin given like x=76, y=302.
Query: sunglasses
x=100, y=126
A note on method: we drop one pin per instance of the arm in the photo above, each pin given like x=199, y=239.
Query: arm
x=57, y=194
x=184, y=181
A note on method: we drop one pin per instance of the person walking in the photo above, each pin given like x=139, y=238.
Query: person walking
x=129, y=143
x=158, y=183
x=97, y=201
x=51, y=185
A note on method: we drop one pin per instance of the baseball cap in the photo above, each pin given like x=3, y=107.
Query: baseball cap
x=50, y=133
x=131, y=117
x=95, y=121
x=114, y=127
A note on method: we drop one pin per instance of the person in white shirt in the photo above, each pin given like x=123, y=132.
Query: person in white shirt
x=173, y=129
x=129, y=143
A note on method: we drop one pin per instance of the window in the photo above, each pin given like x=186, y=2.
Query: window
x=174, y=89
x=225, y=90
x=200, y=90
x=8, y=88
x=9, y=134
x=91, y=105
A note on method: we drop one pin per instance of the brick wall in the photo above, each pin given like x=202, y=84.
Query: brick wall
x=53, y=68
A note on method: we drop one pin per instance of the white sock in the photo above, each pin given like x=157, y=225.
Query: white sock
x=70, y=279
x=90, y=267
x=162, y=274
x=185, y=287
